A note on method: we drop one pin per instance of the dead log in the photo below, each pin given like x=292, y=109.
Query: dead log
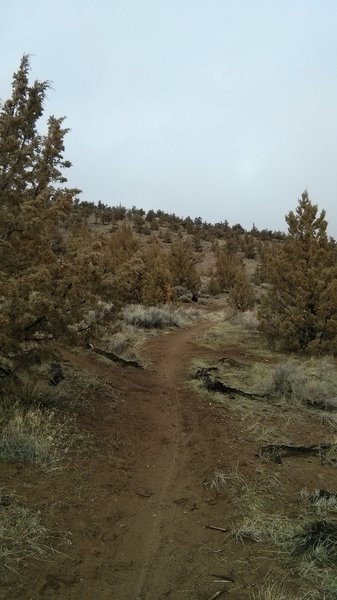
x=214, y=384
x=125, y=362
x=278, y=451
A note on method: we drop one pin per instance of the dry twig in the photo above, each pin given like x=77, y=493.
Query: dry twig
x=223, y=529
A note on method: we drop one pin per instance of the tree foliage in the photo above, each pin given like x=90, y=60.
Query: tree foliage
x=182, y=264
x=40, y=276
x=299, y=312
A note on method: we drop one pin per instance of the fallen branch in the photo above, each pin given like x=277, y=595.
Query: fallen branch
x=216, y=528
x=217, y=595
x=223, y=578
x=125, y=362
x=278, y=451
x=213, y=384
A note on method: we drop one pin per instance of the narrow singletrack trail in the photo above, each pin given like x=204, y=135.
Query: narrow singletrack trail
x=163, y=518
x=137, y=509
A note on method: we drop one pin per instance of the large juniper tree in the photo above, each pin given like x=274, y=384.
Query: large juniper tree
x=39, y=296
x=299, y=312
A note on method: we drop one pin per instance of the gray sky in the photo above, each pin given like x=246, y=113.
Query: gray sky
x=224, y=109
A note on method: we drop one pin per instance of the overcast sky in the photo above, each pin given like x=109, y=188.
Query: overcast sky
x=224, y=109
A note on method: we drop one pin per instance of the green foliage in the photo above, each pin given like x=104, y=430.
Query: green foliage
x=299, y=313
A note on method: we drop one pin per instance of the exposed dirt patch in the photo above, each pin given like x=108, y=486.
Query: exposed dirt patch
x=135, y=504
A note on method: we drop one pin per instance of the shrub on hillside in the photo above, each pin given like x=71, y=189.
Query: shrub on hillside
x=228, y=266
x=152, y=317
x=309, y=383
x=247, y=319
x=241, y=294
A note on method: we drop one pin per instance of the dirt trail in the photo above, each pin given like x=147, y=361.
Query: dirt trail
x=134, y=503
x=163, y=519
x=138, y=510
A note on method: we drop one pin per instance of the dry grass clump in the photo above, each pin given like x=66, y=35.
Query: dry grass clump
x=217, y=482
x=306, y=543
x=315, y=541
x=247, y=319
x=22, y=534
x=251, y=493
x=152, y=317
x=77, y=389
x=263, y=433
x=123, y=341
x=319, y=502
x=271, y=590
x=312, y=382
x=232, y=332
x=34, y=435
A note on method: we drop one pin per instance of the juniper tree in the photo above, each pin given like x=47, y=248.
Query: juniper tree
x=182, y=264
x=299, y=312
x=40, y=297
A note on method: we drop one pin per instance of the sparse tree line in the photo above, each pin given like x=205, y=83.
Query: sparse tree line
x=56, y=269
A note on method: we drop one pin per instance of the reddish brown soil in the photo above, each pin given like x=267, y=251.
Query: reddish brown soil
x=135, y=503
